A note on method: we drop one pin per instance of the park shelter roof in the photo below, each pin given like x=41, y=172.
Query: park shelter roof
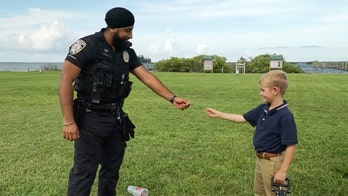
x=276, y=57
x=207, y=57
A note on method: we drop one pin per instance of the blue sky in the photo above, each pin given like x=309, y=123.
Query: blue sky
x=41, y=30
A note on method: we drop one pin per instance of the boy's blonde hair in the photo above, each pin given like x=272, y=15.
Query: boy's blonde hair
x=275, y=78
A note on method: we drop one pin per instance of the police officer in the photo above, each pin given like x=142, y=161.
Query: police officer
x=97, y=68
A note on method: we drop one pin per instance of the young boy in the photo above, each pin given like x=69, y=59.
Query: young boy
x=275, y=136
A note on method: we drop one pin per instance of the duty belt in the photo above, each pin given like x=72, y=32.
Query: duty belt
x=106, y=107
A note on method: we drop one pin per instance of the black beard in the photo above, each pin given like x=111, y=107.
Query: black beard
x=118, y=42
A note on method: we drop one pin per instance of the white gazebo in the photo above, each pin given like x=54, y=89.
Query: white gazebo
x=240, y=68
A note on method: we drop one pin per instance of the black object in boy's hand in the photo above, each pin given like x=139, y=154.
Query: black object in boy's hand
x=280, y=189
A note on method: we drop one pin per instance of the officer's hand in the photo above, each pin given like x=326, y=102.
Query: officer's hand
x=181, y=103
x=71, y=132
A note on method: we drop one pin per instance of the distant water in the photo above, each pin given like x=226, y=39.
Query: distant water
x=309, y=69
x=29, y=66
x=32, y=66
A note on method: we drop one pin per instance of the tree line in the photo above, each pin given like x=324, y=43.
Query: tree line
x=258, y=64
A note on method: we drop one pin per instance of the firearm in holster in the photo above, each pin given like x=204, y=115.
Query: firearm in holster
x=126, y=124
x=78, y=107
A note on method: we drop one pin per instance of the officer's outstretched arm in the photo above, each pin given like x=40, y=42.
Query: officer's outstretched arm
x=158, y=87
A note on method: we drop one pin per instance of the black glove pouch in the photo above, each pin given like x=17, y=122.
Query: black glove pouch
x=127, y=127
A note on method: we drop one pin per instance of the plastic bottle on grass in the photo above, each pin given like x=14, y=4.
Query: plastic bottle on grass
x=137, y=191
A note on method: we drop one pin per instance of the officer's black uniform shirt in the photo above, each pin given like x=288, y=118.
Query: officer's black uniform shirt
x=81, y=52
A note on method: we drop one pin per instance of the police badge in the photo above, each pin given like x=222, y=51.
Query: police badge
x=125, y=56
x=77, y=47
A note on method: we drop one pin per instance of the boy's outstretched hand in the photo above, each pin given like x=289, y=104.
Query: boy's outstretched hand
x=211, y=112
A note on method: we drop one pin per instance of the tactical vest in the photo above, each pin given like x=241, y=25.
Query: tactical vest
x=101, y=80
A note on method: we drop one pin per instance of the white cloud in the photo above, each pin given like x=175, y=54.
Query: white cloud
x=155, y=47
x=50, y=36
x=45, y=38
x=32, y=18
x=201, y=49
x=36, y=34
x=169, y=42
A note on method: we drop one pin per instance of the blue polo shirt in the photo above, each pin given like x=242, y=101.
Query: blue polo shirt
x=275, y=129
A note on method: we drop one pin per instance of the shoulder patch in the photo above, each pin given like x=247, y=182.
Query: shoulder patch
x=77, y=47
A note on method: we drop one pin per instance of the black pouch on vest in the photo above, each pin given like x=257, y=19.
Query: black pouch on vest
x=127, y=127
x=125, y=89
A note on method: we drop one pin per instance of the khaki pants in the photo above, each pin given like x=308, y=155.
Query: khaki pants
x=264, y=170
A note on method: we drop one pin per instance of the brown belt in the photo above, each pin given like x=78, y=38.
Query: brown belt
x=267, y=155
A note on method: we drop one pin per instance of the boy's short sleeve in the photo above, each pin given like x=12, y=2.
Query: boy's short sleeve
x=288, y=131
x=253, y=115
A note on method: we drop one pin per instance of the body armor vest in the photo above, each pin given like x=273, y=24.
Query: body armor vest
x=102, y=79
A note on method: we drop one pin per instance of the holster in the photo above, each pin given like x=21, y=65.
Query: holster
x=78, y=107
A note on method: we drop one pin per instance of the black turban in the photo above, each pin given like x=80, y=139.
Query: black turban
x=119, y=17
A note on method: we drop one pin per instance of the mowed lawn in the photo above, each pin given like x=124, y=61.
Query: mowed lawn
x=177, y=152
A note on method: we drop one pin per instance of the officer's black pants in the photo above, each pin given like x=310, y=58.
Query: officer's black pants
x=100, y=143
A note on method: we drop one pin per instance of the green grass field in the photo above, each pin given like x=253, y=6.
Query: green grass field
x=177, y=152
